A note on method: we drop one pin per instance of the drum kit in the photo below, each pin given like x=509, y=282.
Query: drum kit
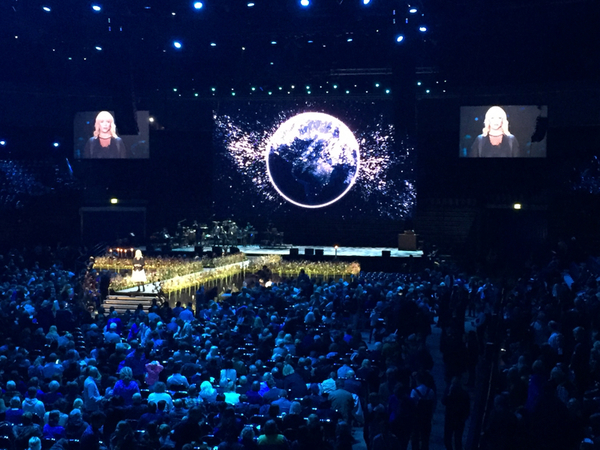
x=221, y=233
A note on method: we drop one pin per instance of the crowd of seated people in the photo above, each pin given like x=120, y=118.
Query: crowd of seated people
x=287, y=366
x=22, y=180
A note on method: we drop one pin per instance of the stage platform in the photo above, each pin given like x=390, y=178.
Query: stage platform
x=345, y=252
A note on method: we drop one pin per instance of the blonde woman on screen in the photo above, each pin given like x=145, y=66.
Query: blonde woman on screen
x=495, y=141
x=105, y=143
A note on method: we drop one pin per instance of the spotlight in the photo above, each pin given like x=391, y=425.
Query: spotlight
x=3, y=143
x=46, y=8
x=422, y=29
x=412, y=10
x=198, y=5
x=114, y=201
x=251, y=4
x=517, y=206
x=366, y=2
x=177, y=44
x=212, y=44
x=96, y=8
x=305, y=3
x=56, y=144
x=400, y=38
x=98, y=48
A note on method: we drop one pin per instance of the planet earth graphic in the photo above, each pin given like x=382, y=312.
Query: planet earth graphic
x=312, y=160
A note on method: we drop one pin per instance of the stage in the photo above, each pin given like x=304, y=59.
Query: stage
x=328, y=252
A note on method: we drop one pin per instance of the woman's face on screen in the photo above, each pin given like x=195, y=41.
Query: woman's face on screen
x=105, y=124
x=495, y=122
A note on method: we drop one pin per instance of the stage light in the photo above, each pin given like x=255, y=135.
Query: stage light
x=98, y=48
x=422, y=29
x=96, y=8
x=366, y=2
x=412, y=10
x=305, y=3
x=46, y=8
x=517, y=206
x=198, y=5
x=418, y=83
x=3, y=143
x=273, y=42
x=427, y=91
x=349, y=40
x=114, y=201
x=400, y=38
x=177, y=44
x=56, y=144
x=212, y=44
x=250, y=5
x=376, y=84
x=151, y=119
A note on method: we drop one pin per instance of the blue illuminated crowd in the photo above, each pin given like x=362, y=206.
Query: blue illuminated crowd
x=302, y=363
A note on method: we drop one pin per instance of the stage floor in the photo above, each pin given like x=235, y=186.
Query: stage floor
x=373, y=252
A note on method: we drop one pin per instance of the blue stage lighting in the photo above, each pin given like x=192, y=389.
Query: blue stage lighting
x=305, y=3
x=422, y=29
x=56, y=144
x=366, y=2
x=198, y=5
x=250, y=5
x=46, y=8
x=3, y=143
x=97, y=8
x=412, y=10
x=177, y=44
x=98, y=48
x=400, y=38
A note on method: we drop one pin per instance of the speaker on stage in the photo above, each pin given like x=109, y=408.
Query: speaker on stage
x=386, y=253
x=294, y=252
x=218, y=251
x=309, y=251
x=318, y=252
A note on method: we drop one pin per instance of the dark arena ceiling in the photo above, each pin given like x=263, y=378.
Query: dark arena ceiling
x=92, y=48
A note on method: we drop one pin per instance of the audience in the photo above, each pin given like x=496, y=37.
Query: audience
x=286, y=366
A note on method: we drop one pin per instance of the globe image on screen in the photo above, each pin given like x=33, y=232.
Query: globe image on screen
x=312, y=160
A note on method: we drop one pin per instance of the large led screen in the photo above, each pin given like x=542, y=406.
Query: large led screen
x=341, y=157
x=514, y=131
x=97, y=136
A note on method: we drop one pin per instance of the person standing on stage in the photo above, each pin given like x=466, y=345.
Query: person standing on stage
x=139, y=275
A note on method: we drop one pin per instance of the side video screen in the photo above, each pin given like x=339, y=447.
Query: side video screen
x=513, y=131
